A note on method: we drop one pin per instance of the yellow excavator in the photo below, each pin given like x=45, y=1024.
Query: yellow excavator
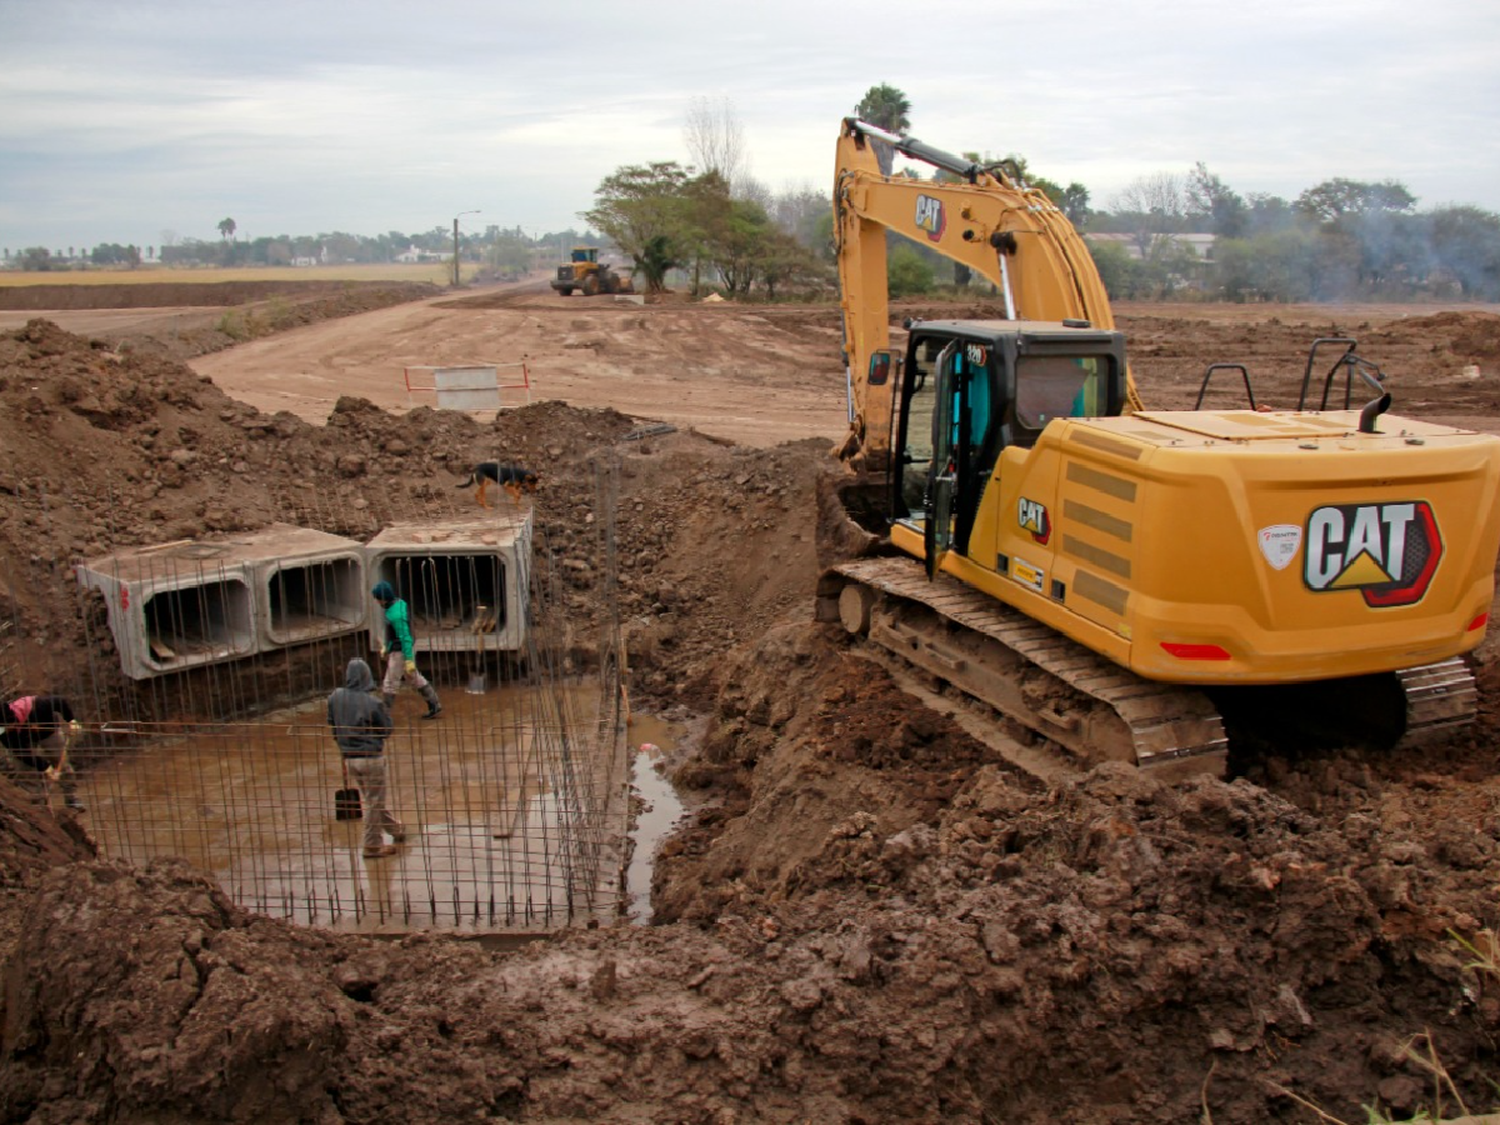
x=1118, y=579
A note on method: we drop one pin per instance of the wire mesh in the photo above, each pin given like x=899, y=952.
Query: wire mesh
x=513, y=800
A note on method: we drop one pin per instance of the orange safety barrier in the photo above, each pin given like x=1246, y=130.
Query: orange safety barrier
x=468, y=386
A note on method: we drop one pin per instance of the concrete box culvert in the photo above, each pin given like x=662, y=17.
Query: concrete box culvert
x=181, y=605
x=466, y=581
x=175, y=606
x=311, y=588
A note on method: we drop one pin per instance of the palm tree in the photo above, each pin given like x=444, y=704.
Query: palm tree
x=887, y=107
x=226, y=229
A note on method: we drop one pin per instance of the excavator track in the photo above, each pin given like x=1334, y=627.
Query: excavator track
x=1074, y=697
x=1440, y=698
x=1092, y=708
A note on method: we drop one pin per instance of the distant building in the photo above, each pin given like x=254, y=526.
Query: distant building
x=412, y=254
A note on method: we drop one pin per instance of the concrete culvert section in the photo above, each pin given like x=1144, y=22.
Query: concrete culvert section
x=507, y=816
x=314, y=588
x=178, y=605
x=465, y=580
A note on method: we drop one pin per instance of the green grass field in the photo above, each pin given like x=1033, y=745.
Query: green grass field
x=435, y=272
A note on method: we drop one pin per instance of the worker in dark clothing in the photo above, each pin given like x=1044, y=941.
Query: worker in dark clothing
x=36, y=732
x=361, y=725
x=401, y=651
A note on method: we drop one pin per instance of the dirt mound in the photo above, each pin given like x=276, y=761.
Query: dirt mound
x=1423, y=357
x=1211, y=942
x=156, y=453
x=870, y=918
x=1472, y=336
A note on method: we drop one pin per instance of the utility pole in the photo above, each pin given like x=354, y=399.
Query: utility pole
x=455, y=244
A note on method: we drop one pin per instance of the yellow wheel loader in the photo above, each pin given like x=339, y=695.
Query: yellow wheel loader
x=589, y=276
x=1114, y=577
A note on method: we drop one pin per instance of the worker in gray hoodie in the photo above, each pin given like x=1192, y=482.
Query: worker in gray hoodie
x=361, y=724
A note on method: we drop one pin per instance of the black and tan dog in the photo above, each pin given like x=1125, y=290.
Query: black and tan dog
x=513, y=478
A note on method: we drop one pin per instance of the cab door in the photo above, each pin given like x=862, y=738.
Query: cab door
x=943, y=474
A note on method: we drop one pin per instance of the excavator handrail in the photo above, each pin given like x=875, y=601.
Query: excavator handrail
x=1244, y=374
x=1312, y=355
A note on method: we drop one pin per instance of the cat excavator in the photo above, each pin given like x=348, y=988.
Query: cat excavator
x=1116, y=579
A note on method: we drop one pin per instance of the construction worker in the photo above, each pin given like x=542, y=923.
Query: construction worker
x=36, y=731
x=360, y=727
x=400, y=652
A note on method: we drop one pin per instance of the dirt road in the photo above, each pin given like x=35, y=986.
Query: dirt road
x=755, y=378
x=767, y=374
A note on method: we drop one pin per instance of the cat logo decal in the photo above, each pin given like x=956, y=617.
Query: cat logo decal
x=1388, y=552
x=1033, y=518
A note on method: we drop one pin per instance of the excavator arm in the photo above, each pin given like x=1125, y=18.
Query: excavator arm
x=1010, y=234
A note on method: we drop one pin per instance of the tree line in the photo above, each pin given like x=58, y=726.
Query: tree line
x=504, y=253
x=709, y=223
x=1342, y=239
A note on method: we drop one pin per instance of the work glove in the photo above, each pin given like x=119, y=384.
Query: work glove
x=75, y=726
x=411, y=667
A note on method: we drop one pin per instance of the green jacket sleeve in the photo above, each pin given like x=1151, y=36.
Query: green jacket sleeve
x=396, y=615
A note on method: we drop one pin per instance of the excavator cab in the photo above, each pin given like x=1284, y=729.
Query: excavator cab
x=972, y=388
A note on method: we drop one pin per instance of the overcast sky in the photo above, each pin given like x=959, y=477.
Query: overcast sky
x=125, y=119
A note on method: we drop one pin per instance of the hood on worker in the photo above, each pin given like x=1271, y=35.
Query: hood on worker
x=384, y=593
x=357, y=676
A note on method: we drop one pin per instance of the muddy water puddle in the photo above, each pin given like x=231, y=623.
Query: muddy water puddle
x=511, y=801
x=659, y=809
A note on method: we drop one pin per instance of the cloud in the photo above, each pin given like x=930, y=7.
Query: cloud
x=120, y=120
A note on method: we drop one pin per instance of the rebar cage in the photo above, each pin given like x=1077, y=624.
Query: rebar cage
x=513, y=801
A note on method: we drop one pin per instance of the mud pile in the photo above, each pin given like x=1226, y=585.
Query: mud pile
x=870, y=918
x=108, y=449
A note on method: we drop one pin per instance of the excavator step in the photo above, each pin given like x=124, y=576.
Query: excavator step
x=1439, y=698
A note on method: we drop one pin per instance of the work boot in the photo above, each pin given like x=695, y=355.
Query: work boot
x=380, y=851
x=434, y=708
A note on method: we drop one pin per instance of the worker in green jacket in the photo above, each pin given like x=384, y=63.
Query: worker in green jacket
x=400, y=651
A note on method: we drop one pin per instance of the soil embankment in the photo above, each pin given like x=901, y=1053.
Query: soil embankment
x=870, y=918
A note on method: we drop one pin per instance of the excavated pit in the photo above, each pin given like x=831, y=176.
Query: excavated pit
x=863, y=919
x=513, y=806
x=514, y=801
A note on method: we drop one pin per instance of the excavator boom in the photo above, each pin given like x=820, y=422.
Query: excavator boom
x=1011, y=235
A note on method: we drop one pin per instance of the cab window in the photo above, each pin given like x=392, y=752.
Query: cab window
x=1052, y=386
